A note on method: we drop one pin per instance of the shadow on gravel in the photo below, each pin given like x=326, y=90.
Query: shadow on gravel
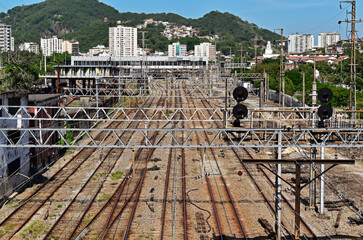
x=234, y=238
x=340, y=237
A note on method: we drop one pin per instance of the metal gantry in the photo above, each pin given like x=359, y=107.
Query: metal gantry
x=221, y=138
x=288, y=117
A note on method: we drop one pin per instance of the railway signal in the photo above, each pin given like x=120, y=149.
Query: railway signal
x=239, y=111
x=325, y=111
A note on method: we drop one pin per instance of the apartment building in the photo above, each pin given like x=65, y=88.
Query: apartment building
x=328, y=39
x=6, y=40
x=177, y=49
x=123, y=41
x=300, y=43
x=30, y=47
x=51, y=45
x=72, y=47
x=205, y=50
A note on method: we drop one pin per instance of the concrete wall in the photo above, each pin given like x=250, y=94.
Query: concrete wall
x=9, y=155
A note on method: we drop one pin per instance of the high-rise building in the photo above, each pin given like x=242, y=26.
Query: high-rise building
x=177, y=49
x=300, y=43
x=6, y=41
x=72, y=47
x=51, y=45
x=123, y=41
x=205, y=50
x=30, y=47
x=327, y=39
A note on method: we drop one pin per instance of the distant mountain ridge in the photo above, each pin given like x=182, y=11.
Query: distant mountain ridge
x=84, y=20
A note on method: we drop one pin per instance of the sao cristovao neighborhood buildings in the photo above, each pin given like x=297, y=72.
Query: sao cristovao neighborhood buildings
x=30, y=47
x=51, y=45
x=123, y=41
x=299, y=43
x=177, y=49
x=6, y=40
x=205, y=49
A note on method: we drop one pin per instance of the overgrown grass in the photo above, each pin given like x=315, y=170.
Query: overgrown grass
x=34, y=230
x=88, y=218
x=116, y=175
x=12, y=204
x=99, y=175
x=103, y=197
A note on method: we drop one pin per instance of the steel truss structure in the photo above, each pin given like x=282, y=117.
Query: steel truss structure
x=114, y=92
x=266, y=117
x=209, y=138
x=107, y=114
x=288, y=117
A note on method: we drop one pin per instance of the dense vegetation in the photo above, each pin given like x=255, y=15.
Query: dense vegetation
x=336, y=77
x=22, y=69
x=83, y=20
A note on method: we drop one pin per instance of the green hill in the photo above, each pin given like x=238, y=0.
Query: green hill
x=84, y=20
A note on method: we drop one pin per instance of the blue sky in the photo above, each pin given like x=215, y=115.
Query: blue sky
x=295, y=16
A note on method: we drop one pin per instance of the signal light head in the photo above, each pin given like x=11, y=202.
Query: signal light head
x=325, y=112
x=240, y=111
x=240, y=94
x=325, y=95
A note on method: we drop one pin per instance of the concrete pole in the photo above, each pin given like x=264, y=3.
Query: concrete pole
x=303, y=93
x=297, y=201
x=133, y=163
x=322, y=182
x=203, y=164
x=98, y=116
x=314, y=94
x=225, y=104
x=278, y=190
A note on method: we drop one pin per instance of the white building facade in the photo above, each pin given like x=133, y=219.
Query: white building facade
x=177, y=49
x=72, y=47
x=327, y=39
x=300, y=43
x=51, y=45
x=123, y=41
x=99, y=50
x=6, y=40
x=205, y=50
x=30, y=47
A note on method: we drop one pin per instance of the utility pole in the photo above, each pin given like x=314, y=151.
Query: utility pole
x=256, y=53
x=303, y=93
x=241, y=60
x=278, y=188
x=1, y=59
x=230, y=60
x=314, y=94
x=58, y=78
x=143, y=60
x=282, y=70
x=353, y=64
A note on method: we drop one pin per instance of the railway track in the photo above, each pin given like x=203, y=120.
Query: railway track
x=238, y=227
x=286, y=232
x=80, y=205
x=28, y=208
x=118, y=202
x=86, y=217
x=178, y=103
